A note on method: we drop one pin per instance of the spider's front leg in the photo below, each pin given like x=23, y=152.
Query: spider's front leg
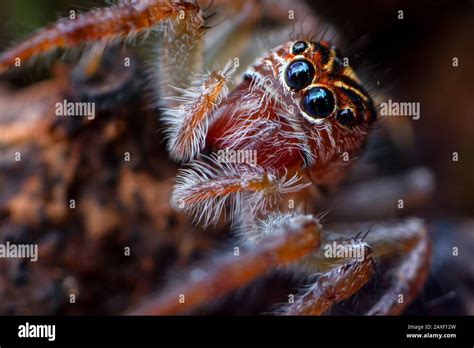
x=410, y=241
x=120, y=21
x=292, y=238
x=407, y=239
x=335, y=285
x=203, y=190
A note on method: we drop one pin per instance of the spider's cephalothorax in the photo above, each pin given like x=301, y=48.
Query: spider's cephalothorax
x=300, y=108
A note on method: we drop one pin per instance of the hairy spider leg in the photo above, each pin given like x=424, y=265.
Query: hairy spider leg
x=408, y=240
x=413, y=244
x=291, y=240
x=187, y=124
x=206, y=188
x=335, y=285
x=117, y=22
x=223, y=274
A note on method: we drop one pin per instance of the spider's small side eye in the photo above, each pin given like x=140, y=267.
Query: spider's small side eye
x=318, y=102
x=299, y=74
x=299, y=47
x=346, y=117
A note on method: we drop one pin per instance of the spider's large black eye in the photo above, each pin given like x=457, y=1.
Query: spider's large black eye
x=299, y=47
x=318, y=102
x=299, y=74
x=346, y=117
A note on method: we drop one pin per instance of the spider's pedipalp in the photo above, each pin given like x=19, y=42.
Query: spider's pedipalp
x=205, y=189
x=117, y=22
x=187, y=124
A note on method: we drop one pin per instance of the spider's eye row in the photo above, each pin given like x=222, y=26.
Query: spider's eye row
x=346, y=117
x=299, y=74
x=299, y=47
x=318, y=102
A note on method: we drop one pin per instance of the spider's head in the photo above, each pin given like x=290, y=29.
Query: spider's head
x=333, y=109
x=325, y=87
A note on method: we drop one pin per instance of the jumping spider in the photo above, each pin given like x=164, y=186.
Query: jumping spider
x=299, y=110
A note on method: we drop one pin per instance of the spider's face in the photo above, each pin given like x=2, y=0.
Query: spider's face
x=299, y=106
x=333, y=110
x=324, y=87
